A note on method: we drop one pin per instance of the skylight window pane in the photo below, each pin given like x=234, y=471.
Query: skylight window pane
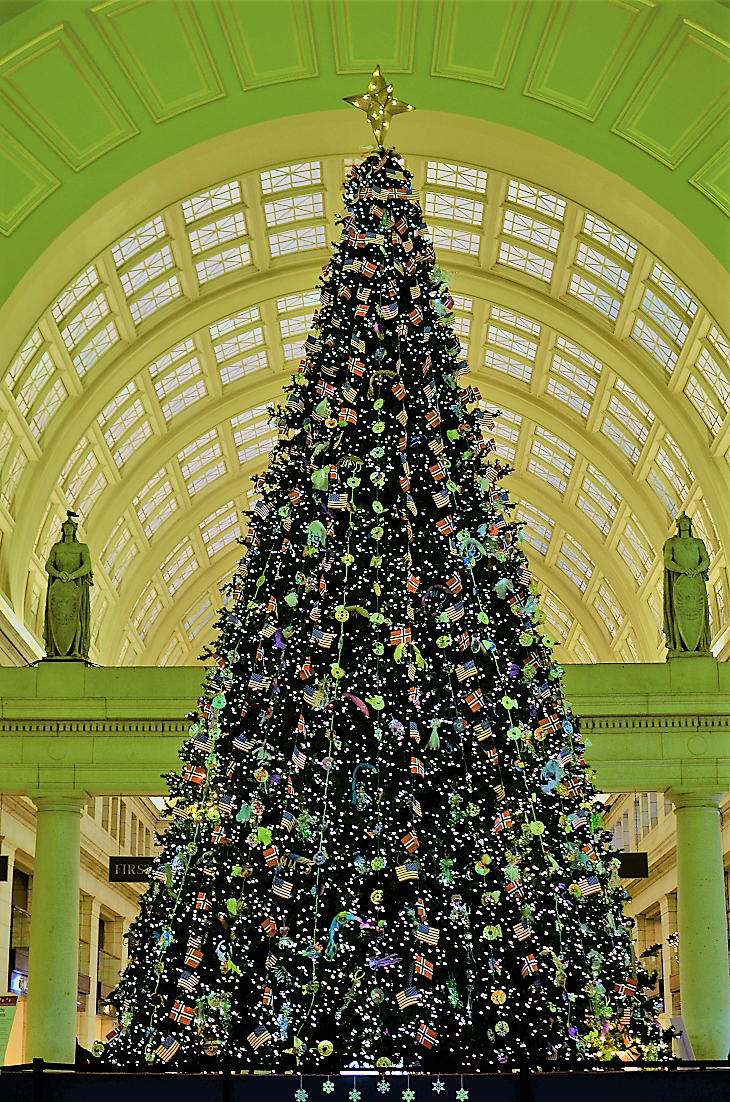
x=593, y=513
x=236, y=369
x=300, y=240
x=530, y=229
x=569, y=397
x=603, y=267
x=525, y=261
x=662, y=491
x=704, y=405
x=154, y=299
x=444, y=174
x=208, y=202
x=537, y=527
x=164, y=362
x=507, y=433
x=42, y=372
x=720, y=343
x=140, y=239
x=220, y=528
x=216, y=233
x=715, y=376
x=618, y=437
x=633, y=548
x=594, y=296
x=292, y=351
x=578, y=353
x=512, y=342
x=664, y=316
x=558, y=616
x=613, y=239
x=176, y=377
x=128, y=417
x=291, y=327
x=100, y=343
x=664, y=279
x=133, y=442
x=304, y=301
x=241, y=342
x=506, y=316
x=186, y=398
x=298, y=208
x=150, y=267
x=526, y=195
x=77, y=290
x=23, y=358
x=12, y=478
x=83, y=322
x=462, y=302
x=50, y=405
x=230, y=260
x=457, y=241
x=179, y=565
x=227, y=325
x=654, y=344
x=575, y=563
x=195, y=485
x=608, y=608
x=454, y=208
x=461, y=326
x=304, y=174
x=508, y=364
x=197, y=620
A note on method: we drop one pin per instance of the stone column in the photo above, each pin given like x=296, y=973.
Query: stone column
x=89, y=1026
x=54, y=929
x=702, y=923
x=6, y=895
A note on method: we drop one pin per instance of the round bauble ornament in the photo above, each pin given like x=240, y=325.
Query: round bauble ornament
x=325, y=1048
x=499, y=998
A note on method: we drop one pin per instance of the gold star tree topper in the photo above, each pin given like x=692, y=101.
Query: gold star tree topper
x=380, y=105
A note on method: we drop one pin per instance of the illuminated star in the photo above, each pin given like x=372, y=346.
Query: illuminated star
x=462, y=1095
x=380, y=105
x=328, y=1087
x=438, y=1086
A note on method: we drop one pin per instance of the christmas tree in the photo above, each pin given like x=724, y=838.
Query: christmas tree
x=384, y=848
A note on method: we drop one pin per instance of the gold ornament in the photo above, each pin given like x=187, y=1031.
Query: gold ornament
x=380, y=105
x=325, y=1048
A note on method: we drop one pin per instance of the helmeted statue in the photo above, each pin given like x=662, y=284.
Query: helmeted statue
x=686, y=608
x=67, y=628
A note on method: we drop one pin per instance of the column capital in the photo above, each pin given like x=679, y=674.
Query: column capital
x=73, y=800
x=694, y=797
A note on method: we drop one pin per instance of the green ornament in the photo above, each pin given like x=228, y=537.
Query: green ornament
x=525, y=638
x=378, y=403
x=376, y=533
x=376, y=702
x=378, y=649
x=443, y=641
x=514, y=733
x=537, y=828
x=292, y=600
x=377, y=863
x=508, y=702
x=377, y=453
x=379, y=427
x=483, y=618
x=378, y=507
x=452, y=486
x=244, y=814
x=219, y=701
x=353, y=482
x=263, y=834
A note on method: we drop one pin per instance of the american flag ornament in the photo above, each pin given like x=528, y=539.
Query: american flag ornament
x=389, y=310
x=542, y=692
x=455, y=612
x=243, y=744
x=565, y=756
x=406, y=998
x=298, y=758
x=423, y=966
x=410, y=841
x=416, y=805
x=442, y=499
x=188, y=981
x=258, y=1037
x=282, y=888
x=225, y=803
x=429, y=934
x=529, y=965
x=324, y=638
x=407, y=871
x=483, y=731
x=589, y=885
x=417, y=767
x=182, y=1013
x=203, y=742
x=287, y=820
x=522, y=932
x=337, y=501
x=467, y=670
x=167, y=1049
x=426, y=1036
x=271, y=961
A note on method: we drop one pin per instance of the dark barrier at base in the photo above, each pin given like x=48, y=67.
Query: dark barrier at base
x=60, y=1083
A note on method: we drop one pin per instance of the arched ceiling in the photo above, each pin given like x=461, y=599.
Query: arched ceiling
x=144, y=343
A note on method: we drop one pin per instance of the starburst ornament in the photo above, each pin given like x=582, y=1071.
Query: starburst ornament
x=380, y=105
x=438, y=1086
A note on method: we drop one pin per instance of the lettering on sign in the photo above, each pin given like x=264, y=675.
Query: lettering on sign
x=127, y=870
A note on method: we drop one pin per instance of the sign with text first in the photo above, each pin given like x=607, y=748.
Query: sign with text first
x=8, y=1004
x=129, y=869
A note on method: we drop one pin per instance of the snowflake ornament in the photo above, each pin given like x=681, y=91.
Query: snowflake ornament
x=408, y=1095
x=462, y=1095
x=328, y=1087
x=301, y=1095
x=355, y=1095
x=438, y=1086
x=383, y=1086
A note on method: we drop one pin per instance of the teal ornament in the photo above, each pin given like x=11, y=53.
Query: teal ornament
x=219, y=701
x=316, y=534
x=503, y=587
x=291, y=599
x=244, y=814
x=321, y=478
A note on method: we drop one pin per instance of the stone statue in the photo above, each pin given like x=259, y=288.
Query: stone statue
x=67, y=628
x=686, y=609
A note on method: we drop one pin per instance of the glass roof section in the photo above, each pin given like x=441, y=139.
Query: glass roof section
x=613, y=380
